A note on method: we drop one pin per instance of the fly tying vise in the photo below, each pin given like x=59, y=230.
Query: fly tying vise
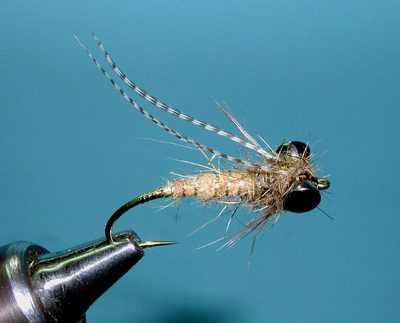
x=285, y=179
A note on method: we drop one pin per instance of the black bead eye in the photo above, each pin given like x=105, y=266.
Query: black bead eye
x=303, y=198
x=295, y=149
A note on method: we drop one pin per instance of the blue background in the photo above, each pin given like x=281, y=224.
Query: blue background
x=72, y=151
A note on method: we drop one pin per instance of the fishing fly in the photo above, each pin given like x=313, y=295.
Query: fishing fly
x=284, y=180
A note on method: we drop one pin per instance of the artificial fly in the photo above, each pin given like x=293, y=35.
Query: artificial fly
x=285, y=179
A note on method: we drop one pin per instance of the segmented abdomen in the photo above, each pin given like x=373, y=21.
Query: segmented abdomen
x=210, y=186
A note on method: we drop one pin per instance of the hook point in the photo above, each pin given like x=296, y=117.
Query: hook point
x=151, y=244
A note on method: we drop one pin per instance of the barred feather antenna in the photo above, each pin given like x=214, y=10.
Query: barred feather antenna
x=285, y=179
x=185, y=117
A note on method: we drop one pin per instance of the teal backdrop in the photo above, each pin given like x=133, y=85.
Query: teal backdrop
x=72, y=150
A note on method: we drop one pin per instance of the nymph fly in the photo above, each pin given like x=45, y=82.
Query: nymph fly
x=285, y=179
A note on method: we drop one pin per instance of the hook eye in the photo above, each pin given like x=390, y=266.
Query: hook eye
x=323, y=183
x=303, y=198
x=296, y=149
